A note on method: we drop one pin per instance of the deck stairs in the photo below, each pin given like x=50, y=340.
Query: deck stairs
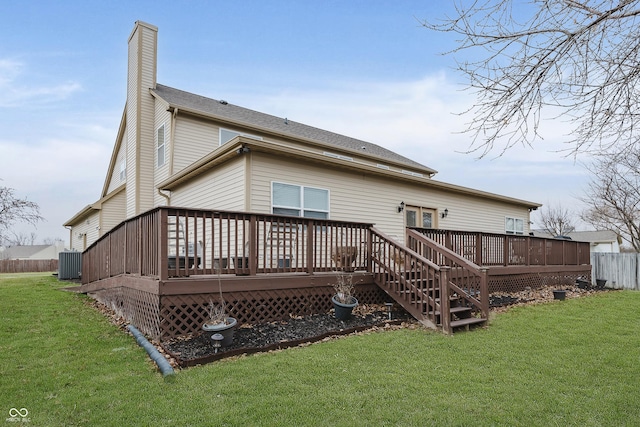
x=436, y=286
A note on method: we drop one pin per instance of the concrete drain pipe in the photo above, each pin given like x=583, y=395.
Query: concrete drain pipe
x=154, y=354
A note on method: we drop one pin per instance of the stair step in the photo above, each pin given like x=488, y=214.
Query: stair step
x=454, y=310
x=467, y=322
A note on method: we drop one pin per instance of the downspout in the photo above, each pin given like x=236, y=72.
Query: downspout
x=172, y=132
x=70, y=237
x=172, y=139
x=166, y=197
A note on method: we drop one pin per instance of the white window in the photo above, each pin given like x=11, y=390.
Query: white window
x=123, y=169
x=227, y=135
x=514, y=225
x=296, y=200
x=161, y=146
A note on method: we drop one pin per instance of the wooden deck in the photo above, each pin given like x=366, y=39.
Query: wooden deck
x=160, y=269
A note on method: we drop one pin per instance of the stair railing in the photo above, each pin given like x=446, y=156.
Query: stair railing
x=465, y=279
x=410, y=279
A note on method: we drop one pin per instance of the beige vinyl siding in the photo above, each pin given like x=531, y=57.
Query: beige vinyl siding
x=194, y=139
x=113, y=212
x=220, y=188
x=132, y=126
x=85, y=231
x=140, y=120
x=114, y=179
x=162, y=117
x=369, y=198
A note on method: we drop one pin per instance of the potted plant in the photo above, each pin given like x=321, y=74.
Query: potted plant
x=219, y=323
x=344, y=301
x=217, y=320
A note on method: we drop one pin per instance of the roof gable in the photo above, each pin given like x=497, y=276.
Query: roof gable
x=253, y=119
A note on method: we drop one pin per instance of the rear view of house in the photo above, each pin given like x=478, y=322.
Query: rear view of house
x=197, y=186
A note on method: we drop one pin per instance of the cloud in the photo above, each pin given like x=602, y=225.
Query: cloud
x=404, y=115
x=420, y=119
x=16, y=93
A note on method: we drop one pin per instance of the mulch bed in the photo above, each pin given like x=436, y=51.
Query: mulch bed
x=198, y=348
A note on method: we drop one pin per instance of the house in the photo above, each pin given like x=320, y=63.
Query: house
x=176, y=148
x=35, y=252
x=201, y=193
x=599, y=240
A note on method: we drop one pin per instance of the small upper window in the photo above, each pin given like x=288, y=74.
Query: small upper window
x=123, y=169
x=514, y=226
x=227, y=135
x=161, y=146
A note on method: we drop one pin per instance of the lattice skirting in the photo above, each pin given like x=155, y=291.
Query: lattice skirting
x=140, y=308
x=520, y=282
x=183, y=314
x=164, y=317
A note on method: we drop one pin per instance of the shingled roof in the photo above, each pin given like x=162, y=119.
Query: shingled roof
x=254, y=119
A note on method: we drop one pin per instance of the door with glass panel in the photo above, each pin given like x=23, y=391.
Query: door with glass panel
x=416, y=216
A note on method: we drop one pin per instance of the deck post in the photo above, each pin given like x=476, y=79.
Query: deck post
x=445, y=303
x=139, y=236
x=484, y=291
x=109, y=255
x=311, y=256
x=478, y=260
x=163, y=239
x=369, y=250
x=253, y=245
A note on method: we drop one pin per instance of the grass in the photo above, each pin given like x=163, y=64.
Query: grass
x=574, y=362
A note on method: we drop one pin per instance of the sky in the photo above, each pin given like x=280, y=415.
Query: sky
x=363, y=68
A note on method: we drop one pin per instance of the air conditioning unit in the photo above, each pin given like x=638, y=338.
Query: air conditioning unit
x=69, y=265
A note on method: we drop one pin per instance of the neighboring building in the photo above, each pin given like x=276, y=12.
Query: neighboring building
x=600, y=241
x=31, y=252
x=180, y=149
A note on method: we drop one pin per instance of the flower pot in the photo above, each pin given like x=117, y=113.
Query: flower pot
x=226, y=329
x=559, y=294
x=600, y=283
x=342, y=310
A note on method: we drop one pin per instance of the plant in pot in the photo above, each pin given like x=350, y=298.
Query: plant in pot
x=344, y=301
x=217, y=320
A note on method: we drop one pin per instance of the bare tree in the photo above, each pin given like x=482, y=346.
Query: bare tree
x=614, y=197
x=13, y=209
x=52, y=240
x=577, y=59
x=556, y=220
x=22, y=239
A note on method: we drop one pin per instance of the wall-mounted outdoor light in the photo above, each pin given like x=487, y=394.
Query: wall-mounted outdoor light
x=445, y=213
x=401, y=207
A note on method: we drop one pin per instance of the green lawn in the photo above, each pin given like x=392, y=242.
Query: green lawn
x=575, y=362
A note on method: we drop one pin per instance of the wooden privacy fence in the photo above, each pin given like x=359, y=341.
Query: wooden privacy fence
x=28, y=265
x=620, y=270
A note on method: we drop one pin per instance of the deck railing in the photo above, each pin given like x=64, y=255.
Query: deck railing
x=486, y=249
x=168, y=242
